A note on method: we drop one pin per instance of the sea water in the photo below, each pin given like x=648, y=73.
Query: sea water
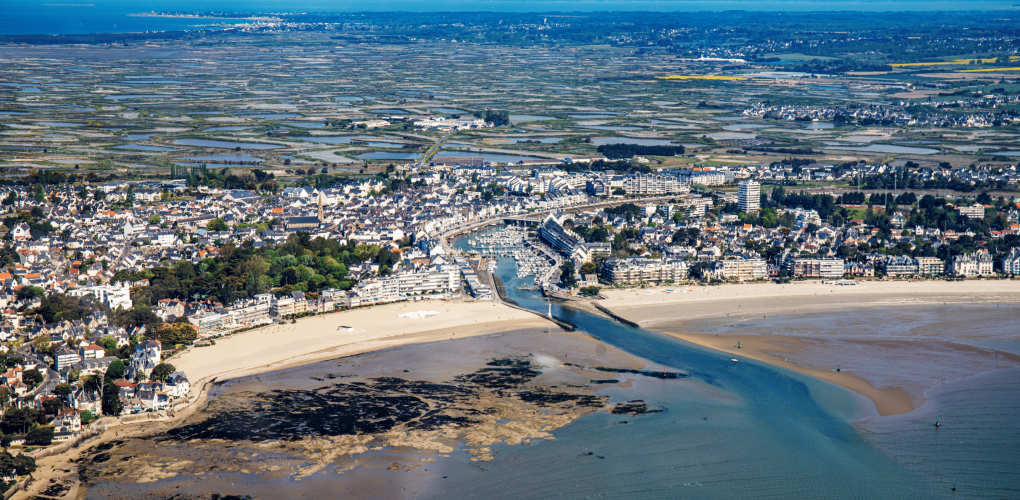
x=751, y=430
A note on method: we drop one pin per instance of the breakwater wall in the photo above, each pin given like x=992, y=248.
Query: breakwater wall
x=613, y=315
x=501, y=293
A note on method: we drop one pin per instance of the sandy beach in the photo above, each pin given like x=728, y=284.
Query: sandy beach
x=892, y=370
x=318, y=338
x=645, y=306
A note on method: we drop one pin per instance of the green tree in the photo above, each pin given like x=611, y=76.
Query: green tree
x=18, y=420
x=700, y=268
x=41, y=344
x=52, y=406
x=175, y=333
x=116, y=370
x=162, y=371
x=134, y=317
x=112, y=405
x=155, y=219
x=109, y=344
x=86, y=417
x=567, y=274
x=40, y=436
x=32, y=377
x=24, y=465
x=29, y=292
x=62, y=390
x=588, y=268
x=92, y=383
x=7, y=469
x=217, y=225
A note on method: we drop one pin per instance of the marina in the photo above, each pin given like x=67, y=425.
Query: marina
x=514, y=242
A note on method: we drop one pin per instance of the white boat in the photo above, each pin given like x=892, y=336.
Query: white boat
x=735, y=360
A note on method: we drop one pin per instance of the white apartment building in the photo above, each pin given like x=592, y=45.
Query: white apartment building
x=816, y=268
x=749, y=196
x=112, y=296
x=65, y=357
x=211, y=322
x=435, y=279
x=166, y=239
x=975, y=211
x=639, y=270
x=742, y=269
x=979, y=264
x=249, y=314
x=930, y=266
x=285, y=306
x=705, y=178
x=440, y=278
x=374, y=292
x=654, y=184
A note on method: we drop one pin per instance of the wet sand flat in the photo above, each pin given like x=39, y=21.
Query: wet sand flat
x=893, y=373
x=374, y=424
x=815, y=328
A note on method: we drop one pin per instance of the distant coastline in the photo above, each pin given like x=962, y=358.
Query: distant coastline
x=186, y=15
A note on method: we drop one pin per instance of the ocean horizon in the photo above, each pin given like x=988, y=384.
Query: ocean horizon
x=114, y=16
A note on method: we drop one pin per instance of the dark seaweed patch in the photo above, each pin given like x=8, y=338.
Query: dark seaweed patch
x=372, y=407
x=546, y=398
x=56, y=490
x=106, y=446
x=636, y=407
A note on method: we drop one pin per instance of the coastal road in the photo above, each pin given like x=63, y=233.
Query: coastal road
x=434, y=149
x=51, y=381
x=50, y=376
